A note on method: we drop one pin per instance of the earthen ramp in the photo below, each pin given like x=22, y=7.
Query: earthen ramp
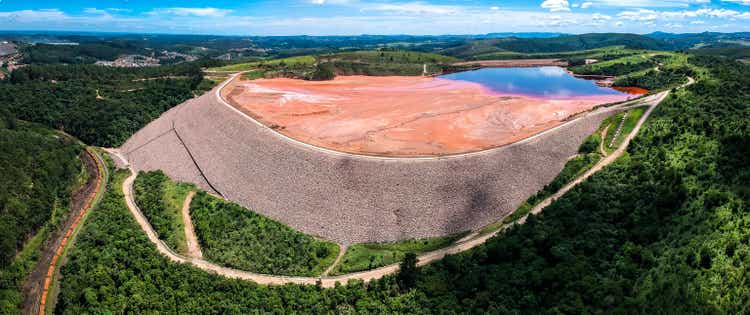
x=349, y=198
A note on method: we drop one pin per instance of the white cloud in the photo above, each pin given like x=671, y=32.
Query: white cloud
x=419, y=8
x=647, y=3
x=556, y=5
x=586, y=5
x=202, y=12
x=95, y=11
x=743, y=2
x=494, y=8
x=638, y=15
x=321, y=2
x=27, y=16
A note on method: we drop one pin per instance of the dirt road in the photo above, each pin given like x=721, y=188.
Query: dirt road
x=37, y=286
x=193, y=247
x=328, y=282
x=475, y=239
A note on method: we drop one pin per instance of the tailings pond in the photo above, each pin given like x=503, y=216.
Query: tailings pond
x=419, y=116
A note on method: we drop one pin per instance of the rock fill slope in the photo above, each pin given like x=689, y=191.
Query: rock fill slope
x=343, y=197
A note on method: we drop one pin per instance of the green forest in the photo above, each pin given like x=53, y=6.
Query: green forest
x=237, y=237
x=102, y=106
x=662, y=230
x=325, y=67
x=160, y=200
x=39, y=168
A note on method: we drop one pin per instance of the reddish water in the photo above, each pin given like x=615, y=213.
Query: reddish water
x=631, y=90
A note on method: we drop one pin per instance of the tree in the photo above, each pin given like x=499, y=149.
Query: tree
x=407, y=274
x=323, y=72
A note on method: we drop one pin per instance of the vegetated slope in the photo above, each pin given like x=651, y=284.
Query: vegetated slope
x=649, y=70
x=237, y=237
x=618, y=66
x=734, y=52
x=699, y=40
x=556, y=44
x=114, y=267
x=660, y=225
x=39, y=169
x=160, y=199
x=100, y=105
x=380, y=63
x=574, y=58
x=367, y=256
x=656, y=227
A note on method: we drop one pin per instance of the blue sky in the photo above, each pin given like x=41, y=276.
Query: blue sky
x=346, y=17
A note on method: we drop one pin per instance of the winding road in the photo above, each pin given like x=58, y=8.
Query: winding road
x=469, y=242
x=193, y=247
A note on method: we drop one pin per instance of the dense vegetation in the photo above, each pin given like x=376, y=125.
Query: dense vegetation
x=325, y=67
x=662, y=230
x=74, y=54
x=554, y=45
x=160, y=199
x=572, y=169
x=574, y=58
x=39, y=170
x=100, y=105
x=237, y=237
x=655, y=80
x=616, y=67
x=368, y=256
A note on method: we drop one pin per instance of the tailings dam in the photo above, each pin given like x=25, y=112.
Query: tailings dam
x=350, y=197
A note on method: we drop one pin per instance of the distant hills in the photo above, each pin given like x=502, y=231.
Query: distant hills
x=93, y=47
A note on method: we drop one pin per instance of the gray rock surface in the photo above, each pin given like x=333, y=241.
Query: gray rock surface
x=349, y=198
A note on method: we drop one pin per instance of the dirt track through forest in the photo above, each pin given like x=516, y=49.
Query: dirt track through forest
x=193, y=247
x=476, y=239
x=34, y=284
x=37, y=286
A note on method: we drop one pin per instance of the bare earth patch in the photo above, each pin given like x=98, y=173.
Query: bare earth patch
x=401, y=116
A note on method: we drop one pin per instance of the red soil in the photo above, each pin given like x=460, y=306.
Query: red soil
x=631, y=90
x=401, y=116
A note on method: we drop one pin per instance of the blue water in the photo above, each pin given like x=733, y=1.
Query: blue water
x=552, y=82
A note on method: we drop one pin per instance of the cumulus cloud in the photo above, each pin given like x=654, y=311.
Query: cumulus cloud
x=638, y=15
x=556, y=5
x=201, y=12
x=744, y=2
x=586, y=5
x=418, y=8
x=648, y=3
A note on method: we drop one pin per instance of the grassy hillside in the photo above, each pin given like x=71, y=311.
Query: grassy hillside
x=619, y=66
x=366, y=256
x=576, y=57
x=382, y=62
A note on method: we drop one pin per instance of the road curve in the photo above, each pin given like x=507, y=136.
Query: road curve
x=344, y=197
x=473, y=240
x=328, y=282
